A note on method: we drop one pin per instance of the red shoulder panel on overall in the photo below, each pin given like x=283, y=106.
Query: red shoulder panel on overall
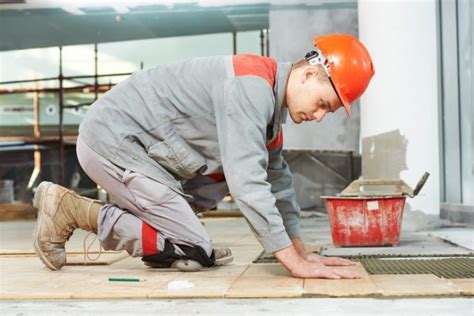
x=253, y=65
x=248, y=65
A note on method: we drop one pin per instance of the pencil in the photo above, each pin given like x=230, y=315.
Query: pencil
x=126, y=280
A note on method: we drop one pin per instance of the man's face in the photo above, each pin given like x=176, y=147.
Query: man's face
x=310, y=99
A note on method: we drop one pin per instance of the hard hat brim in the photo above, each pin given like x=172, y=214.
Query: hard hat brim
x=345, y=103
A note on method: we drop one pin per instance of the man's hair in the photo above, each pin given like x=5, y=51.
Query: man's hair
x=322, y=76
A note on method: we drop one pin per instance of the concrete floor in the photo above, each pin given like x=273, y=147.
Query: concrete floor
x=17, y=235
x=309, y=306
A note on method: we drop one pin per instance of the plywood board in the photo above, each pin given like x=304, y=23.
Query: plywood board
x=17, y=253
x=414, y=285
x=466, y=286
x=17, y=212
x=343, y=287
x=105, y=258
x=266, y=280
x=74, y=257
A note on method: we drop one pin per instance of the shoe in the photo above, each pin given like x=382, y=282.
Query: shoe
x=223, y=256
x=60, y=212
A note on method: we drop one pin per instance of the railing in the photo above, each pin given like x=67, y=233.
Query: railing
x=59, y=140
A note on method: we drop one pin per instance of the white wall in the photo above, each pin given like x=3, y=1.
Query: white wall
x=399, y=111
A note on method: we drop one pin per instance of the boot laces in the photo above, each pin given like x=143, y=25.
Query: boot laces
x=87, y=248
x=71, y=227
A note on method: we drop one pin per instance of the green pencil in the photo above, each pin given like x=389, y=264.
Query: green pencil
x=126, y=280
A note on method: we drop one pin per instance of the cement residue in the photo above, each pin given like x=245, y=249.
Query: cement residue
x=384, y=156
x=449, y=268
x=417, y=220
x=180, y=285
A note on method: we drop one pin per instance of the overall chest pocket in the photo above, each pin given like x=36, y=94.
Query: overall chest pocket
x=175, y=155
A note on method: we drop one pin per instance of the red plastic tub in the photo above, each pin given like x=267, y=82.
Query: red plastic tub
x=365, y=221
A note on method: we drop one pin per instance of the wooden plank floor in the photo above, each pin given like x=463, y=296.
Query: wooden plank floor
x=25, y=277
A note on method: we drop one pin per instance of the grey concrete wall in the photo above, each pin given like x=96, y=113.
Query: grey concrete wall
x=293, y=27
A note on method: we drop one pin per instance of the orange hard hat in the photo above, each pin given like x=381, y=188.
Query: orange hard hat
x=347, y=63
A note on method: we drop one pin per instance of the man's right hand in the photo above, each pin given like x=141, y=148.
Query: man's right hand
x=300, y=268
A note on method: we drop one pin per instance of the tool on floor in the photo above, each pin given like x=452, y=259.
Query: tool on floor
x=126, y=280
x=369, y=218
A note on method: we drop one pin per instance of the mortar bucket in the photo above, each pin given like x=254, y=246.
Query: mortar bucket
x=369, y=218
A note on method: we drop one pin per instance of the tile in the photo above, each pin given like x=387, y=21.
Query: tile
x=126, y=290
x=466, y=286
x=227, y=271
x=188, y=286
x=266, y=281
x=25, y=277
x=209, y=283
x=414, y=285
x=461, y=236
x=343, y=287
x=266, y=288
x=271, y=270
x=244, y=255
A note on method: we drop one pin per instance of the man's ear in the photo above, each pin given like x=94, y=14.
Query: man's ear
x=310, y=72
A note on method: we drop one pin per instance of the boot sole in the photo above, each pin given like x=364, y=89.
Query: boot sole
x=224, y=261
x=38, y=202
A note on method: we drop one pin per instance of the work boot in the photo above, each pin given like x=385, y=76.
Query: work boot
x=60, y=212
x=223, y=256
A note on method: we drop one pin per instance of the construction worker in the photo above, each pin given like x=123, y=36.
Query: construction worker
x=181, y=136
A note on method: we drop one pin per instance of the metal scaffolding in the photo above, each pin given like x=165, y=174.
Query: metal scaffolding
x=61, y=139
x=61, y=90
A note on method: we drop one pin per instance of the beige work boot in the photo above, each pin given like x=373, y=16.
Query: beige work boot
x=60, y=212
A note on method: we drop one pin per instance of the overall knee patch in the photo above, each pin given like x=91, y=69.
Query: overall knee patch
x=166, y=257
